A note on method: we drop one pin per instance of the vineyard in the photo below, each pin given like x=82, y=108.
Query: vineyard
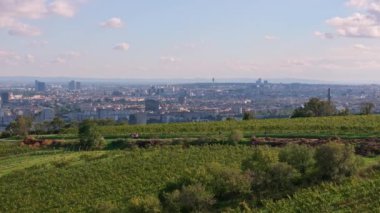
x=85, y=182
x=89, y=181
x=356, y=195
x=55, y=179
x=343, y=126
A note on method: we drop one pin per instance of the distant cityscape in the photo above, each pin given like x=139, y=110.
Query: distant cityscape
x=74, y=101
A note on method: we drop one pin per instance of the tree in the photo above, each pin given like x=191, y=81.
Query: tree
x=367, y=108
x=315, y=108
x=301, y=157
x=57, y=124
x=89, y=135
x=248, y=115
x=335, y=161
x=20, y=127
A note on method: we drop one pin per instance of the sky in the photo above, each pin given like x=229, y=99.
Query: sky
x=329, y=40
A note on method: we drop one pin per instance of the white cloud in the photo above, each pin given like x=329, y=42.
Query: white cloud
x=63, y=8
x=363, y=23
x=322, y=35
x=122, y=46
x=13, y=12
x=358, y=3
x=112, y=23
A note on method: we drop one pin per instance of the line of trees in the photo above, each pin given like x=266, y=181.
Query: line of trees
x=319, y=108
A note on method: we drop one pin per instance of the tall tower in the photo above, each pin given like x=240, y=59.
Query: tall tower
x=329, y=95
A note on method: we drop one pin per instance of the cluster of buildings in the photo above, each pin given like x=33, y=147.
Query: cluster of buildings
x=74, y=101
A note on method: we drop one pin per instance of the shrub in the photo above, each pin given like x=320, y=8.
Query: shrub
x=335, y=161
x=261, y=159
x=236, y=136
x=89, y=135
x=280, y=181
x=301, y=157
x=228, y=183
x=191, y=198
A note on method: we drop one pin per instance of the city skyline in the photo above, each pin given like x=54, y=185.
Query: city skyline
x=332, y=41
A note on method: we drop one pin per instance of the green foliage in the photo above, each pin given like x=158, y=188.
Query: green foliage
x=56, y=125
x=279, y=181
x=20, y=127
x=236, y=136
x=354, y=195
x=123, y=175
x=335, y=161
x=145, y=204
x=301, y=157
x=248, y=116
x=228, y=183
x=261, y=159
x=315, y=108
x=89, y=135
x=191, y=198
x=343, y=126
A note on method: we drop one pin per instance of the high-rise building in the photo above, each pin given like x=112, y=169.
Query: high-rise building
x=329, y=95
x=152, y=105
x=40, y=86
x=74, y=85
x=5, y=96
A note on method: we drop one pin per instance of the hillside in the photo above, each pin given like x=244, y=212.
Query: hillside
x=51, y=179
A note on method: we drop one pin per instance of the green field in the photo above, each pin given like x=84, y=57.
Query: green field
x=87, y=180
x=57, y=180
x=343, y=126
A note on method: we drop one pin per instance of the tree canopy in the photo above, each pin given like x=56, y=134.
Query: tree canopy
x=315, y=108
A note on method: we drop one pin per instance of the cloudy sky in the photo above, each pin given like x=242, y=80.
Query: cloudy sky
x=336, y=40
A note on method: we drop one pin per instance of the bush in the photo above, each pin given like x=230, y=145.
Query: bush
x=301, y=157
x=228, y=183
x=280, y=181
x=335, y=161
x=147, y=204
x=89, y=135
x=262, y=158
x=236, y=136
x=191, y=198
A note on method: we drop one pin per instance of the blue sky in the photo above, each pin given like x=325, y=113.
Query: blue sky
x=334, y=40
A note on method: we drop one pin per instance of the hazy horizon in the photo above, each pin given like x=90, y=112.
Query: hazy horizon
x=326, y=41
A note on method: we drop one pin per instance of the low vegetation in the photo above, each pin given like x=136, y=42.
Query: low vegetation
x=224, y=171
